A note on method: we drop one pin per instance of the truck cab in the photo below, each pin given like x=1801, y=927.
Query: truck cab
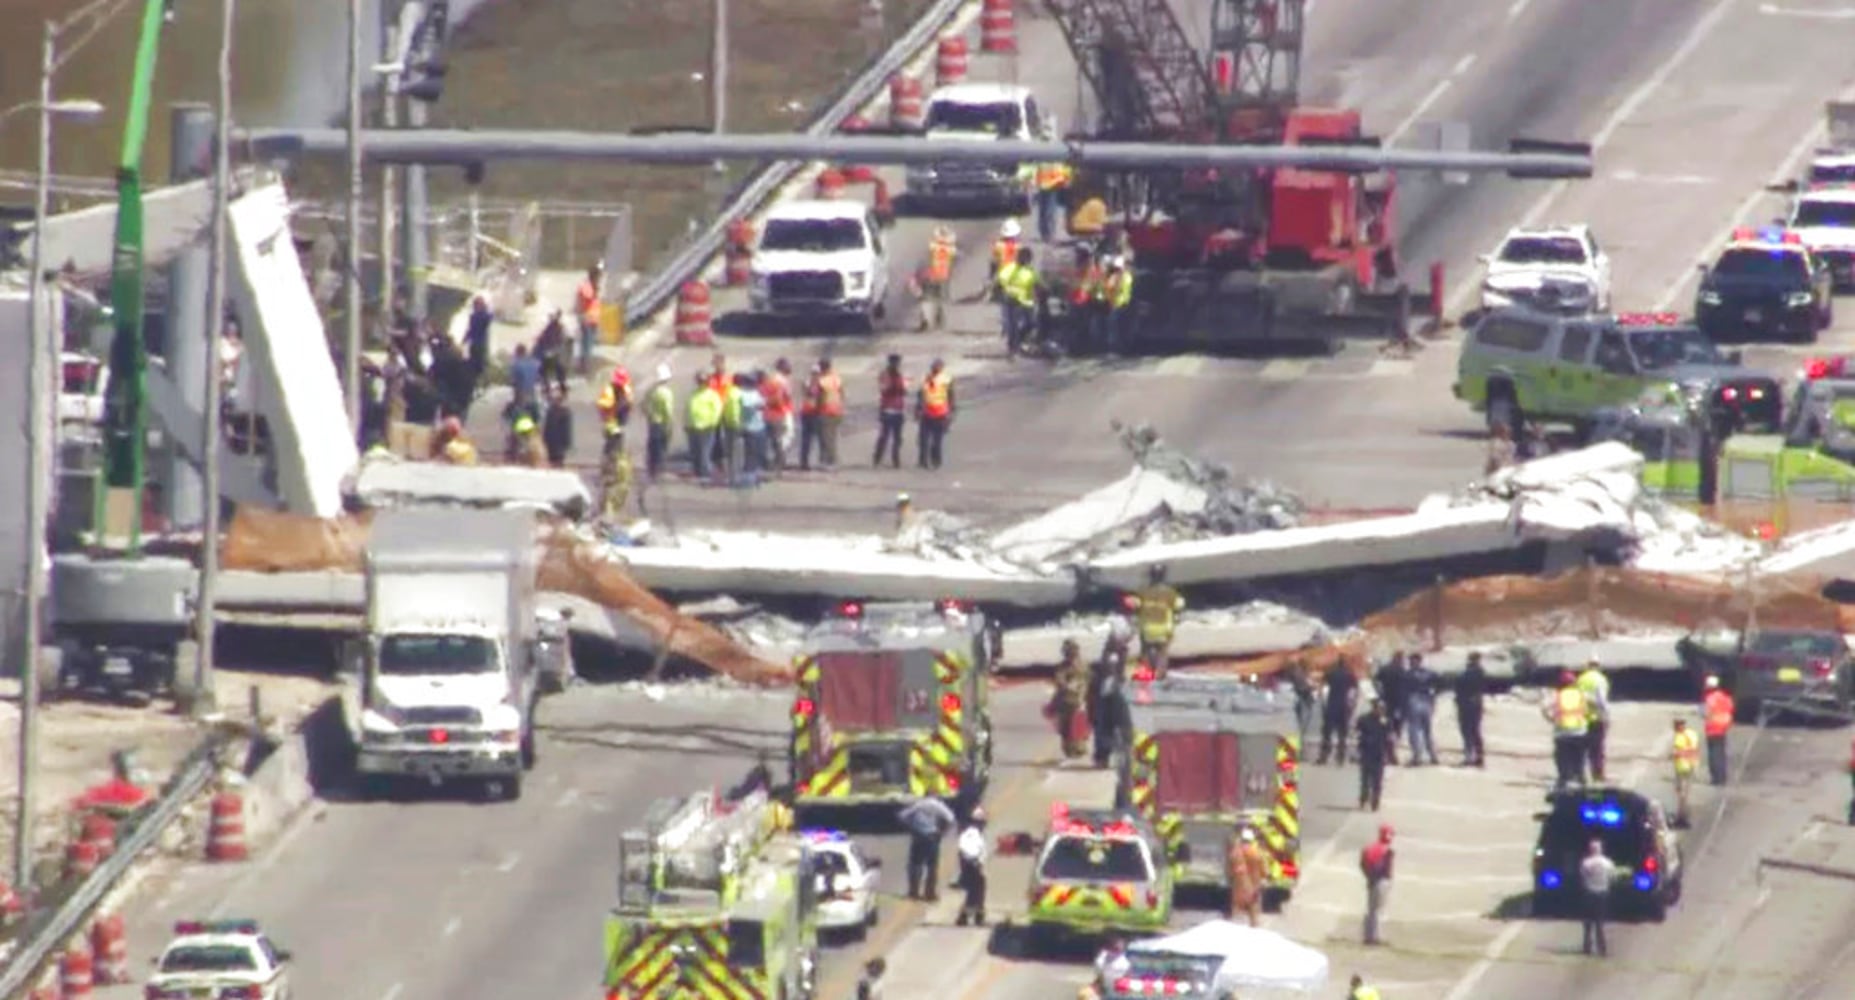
x=820, y=259
x=970, y=112
x=449, y=671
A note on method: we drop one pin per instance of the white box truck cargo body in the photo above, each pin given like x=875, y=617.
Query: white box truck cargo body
x=449, y=685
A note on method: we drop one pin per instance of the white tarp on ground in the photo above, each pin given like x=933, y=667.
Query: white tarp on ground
x=285, y=339
x=1252, y=957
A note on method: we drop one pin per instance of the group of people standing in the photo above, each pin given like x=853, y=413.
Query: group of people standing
x=1404, y=703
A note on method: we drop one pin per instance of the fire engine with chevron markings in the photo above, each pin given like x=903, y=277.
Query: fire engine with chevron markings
x=1206, y=757
x=892, y=706
x=717, y=900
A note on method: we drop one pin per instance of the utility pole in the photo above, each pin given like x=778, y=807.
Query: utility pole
x=207, y=601
x=413, y=223
x=38, y=472
x=389, y=174
x=351, y=355
x=718, y=68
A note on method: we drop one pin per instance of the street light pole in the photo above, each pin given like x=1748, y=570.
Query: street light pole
x=38, y=454
x=207, y=601
x=351, y=356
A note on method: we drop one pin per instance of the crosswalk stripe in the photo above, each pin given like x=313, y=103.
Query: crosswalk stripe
x=1285, y=369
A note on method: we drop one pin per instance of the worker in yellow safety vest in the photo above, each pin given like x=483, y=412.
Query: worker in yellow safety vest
x=1596, y=688
x=1360, y=991
x=701, y=422
x=1052, y=183
x=1117, y=293
x=1570, y=714
x=1686, y=751
x=615, y=407
x=936, y=277
x=1156, y=612
x=1018, y=286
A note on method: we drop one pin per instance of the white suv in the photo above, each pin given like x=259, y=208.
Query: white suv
x=820, y=258
x=1557, y=267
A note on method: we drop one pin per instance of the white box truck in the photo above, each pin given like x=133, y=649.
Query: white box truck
x=454, y=659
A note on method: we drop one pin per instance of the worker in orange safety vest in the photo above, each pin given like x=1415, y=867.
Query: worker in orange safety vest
x=1686, y=751
x=1570, y=715
x=1088, y=297
x=936, y=277
x=1052, y=181
x=1716, y=722
x=934, y=412
x=824, y=400
x=586, y=309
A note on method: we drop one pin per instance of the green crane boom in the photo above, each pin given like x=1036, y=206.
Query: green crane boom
x=125, y=410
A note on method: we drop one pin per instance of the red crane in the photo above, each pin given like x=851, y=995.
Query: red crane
x=1231, y=256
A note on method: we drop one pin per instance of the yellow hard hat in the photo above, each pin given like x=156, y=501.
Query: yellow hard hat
x=524, y=424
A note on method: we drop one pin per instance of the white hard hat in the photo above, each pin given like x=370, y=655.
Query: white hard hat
x=1010, y=230
x=1120, y=628
x=1712, y=682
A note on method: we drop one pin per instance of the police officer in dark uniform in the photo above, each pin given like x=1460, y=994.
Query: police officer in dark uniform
x=1339, y=703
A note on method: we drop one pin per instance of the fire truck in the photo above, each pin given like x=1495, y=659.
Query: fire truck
x=1206, y=757
x=717, y=899
x=892, y=705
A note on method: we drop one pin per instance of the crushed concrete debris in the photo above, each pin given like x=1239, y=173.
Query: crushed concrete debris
x=1230, y=507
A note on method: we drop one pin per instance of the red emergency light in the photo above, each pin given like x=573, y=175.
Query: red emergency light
x=803, y=707
x=1650, y=865
x=1144, y=672
x=850, y=609
x=1123, y=895
x=439, y=736
x=1816, y=368
x=1157, y=986
x=949, y=703
x=1648, y=319
x=1822, y=668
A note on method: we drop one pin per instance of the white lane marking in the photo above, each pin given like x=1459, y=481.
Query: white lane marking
x=567, y=798
x=1465, y=987
x=1463, y=64
x=1818, y=134
x=452, y=926
x=394, y=992
x=1835, y=14
x=1695, y=36
x=1631, y=175
x=508, y=864
x=1517, y=8
x=1436, y=94
x=1383, y=367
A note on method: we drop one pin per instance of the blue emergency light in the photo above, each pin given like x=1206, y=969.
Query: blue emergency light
x=1604, y=815
x=1771, y=234
x=1644, y=882
x=1549, y=879
x=824, y=836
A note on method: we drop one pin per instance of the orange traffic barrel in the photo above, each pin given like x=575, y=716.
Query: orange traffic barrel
x=225, y=833
x=76, y=974
x=950, y=61
x=905, y=101
x=998, y=28
x=80, y=859
x=693, y=326
x=831, y=183
x=739, y=255
x=109, y=944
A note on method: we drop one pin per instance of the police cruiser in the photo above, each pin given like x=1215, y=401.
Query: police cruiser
x=220, y=960
x=1765, y=284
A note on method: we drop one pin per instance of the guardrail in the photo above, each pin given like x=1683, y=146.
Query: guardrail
x=46, y=930
x=655, y=292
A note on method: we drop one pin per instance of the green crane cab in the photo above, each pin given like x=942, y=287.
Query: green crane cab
x=1526, y=363
x=1812, y=455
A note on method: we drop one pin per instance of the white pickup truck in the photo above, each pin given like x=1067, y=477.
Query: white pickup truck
x=455, y=657
x=820, y=258
x=969, y=112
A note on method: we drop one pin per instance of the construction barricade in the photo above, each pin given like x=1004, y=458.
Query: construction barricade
x=950, y=61
x=906, y=102
x=738, y=258
x=830, y=184
x=225, y=833
x=109, y=947
x=880, y=200
x=76, y=972
x=998, y=28
x=694, y=321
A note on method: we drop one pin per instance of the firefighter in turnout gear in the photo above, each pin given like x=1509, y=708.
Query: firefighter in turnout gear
x=1068, y=701
x=1246, y=871
x=1019, y=285
x=936, y=277
x=1157, y=613
x=1570, y=714
x=615, y=407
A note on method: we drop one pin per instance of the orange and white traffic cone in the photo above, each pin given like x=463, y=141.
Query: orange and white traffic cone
x=998, y=28
x=225, y=834
x=950, y=61
x=76, y=972
x=109, y=943
x=693, y=325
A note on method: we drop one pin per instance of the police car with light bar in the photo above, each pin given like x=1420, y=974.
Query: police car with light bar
x=1765, y=283
x=220, y=960
x=848, y=878
x=1636, y=838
